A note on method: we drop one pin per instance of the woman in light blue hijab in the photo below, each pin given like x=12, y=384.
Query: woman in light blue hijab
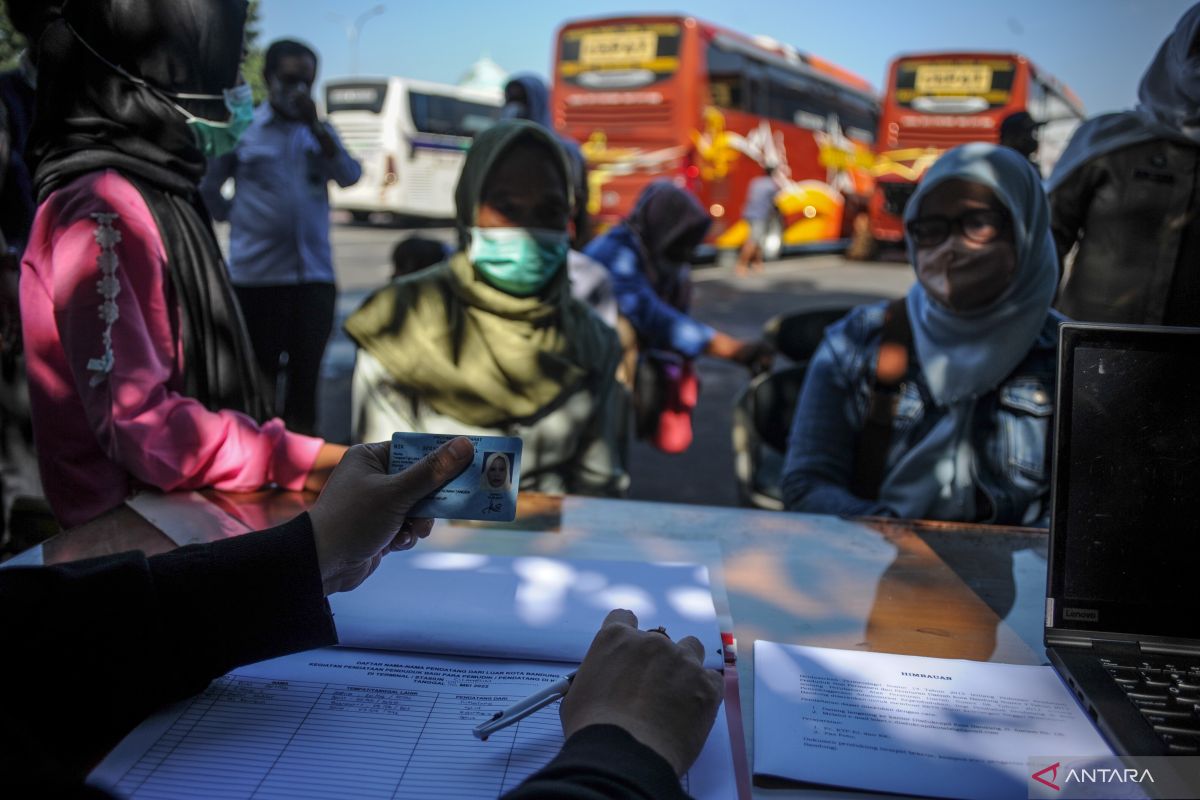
x=967, y=429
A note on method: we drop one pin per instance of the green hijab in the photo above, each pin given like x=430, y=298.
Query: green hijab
x=468, y=349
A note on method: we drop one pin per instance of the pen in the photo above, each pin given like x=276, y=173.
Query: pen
x=520, y=710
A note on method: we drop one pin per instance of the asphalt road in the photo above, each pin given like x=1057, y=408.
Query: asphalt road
x=739, y=306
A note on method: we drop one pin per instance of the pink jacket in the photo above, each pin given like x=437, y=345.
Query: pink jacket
x=105, y=364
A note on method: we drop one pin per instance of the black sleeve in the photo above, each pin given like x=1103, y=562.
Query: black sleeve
x=1069, y=204
x=93, y=647
x=602, y=762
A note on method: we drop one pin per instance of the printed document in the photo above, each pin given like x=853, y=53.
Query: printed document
x=339, y=722
x=910, y=725
x=396, y=720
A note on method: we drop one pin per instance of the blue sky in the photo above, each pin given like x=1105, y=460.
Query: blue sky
x=1098, y=47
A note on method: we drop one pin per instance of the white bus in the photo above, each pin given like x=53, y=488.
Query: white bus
x=411, y=138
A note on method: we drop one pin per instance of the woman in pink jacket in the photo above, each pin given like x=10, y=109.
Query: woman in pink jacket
x=139, y=369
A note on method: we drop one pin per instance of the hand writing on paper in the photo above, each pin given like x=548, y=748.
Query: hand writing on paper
x=362, y=513
x=655, y=688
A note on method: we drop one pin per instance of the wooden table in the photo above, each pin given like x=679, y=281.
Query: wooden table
x=928, y=589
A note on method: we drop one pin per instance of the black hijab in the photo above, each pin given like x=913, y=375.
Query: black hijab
x=668, y=222
x=90, y=117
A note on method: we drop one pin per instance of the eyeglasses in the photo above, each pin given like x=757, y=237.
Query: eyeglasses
x=979, y=225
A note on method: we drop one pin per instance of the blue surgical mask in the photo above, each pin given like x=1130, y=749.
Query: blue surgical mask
x=218, y=138
x=518, y=261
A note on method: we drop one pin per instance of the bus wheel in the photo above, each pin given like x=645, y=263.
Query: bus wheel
x=772, y=243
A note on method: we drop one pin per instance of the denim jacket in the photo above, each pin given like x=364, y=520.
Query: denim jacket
x=1010, y=437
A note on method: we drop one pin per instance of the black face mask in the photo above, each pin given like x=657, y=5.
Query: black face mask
x=678, y=254
x=285, y=96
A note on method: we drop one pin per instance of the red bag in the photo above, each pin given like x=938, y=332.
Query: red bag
x=681, y=391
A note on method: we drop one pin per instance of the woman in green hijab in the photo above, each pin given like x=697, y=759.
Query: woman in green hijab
x=491, y=341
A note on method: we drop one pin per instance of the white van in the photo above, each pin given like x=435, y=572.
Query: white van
x=411, y=138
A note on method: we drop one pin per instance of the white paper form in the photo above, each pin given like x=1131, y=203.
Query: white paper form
x=528, y=607
x=338, y=722
x=910, y=725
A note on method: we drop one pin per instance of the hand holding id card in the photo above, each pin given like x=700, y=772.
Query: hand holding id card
x=486, y=490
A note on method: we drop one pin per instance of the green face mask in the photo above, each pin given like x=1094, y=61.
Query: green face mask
x=519, y=261
x=218, y=138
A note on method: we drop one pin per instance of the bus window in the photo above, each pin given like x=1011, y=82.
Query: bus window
x=954, y=87
x=1057, y=108
x=936, y=101
x=795, y=98
x=410, y=137
x=1060, y=120
x=1035, y=103
x=860, y=117
x=726, y=78
x=355, y=97
x=449, y=116
x=619, y=56
x=733, y=105
x=757, y=93
x=810, y=103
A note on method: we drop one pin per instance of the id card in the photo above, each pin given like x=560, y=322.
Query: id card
x=486, y=490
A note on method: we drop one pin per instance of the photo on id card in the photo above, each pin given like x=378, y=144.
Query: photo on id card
x=486, y=490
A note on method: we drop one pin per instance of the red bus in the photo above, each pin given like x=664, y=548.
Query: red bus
x=935, y=101
x=661, y=96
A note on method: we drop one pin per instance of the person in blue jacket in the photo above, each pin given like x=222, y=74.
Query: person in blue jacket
x=647, y=255
x=968, y=425
x=280, y=255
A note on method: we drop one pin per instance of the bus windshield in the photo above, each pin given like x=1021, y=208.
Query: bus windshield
x=449, y=116
x=618, y=56
x=959, y=86
x=936, y=101
x=363, y=96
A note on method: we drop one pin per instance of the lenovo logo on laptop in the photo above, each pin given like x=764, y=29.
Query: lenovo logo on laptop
x=1081, y=614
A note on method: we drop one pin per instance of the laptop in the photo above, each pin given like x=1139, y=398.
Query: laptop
x=1123, y=591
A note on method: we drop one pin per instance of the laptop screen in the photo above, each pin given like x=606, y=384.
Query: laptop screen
x=1125, y=534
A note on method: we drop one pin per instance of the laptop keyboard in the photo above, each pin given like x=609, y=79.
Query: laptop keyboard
x=1167, y=692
